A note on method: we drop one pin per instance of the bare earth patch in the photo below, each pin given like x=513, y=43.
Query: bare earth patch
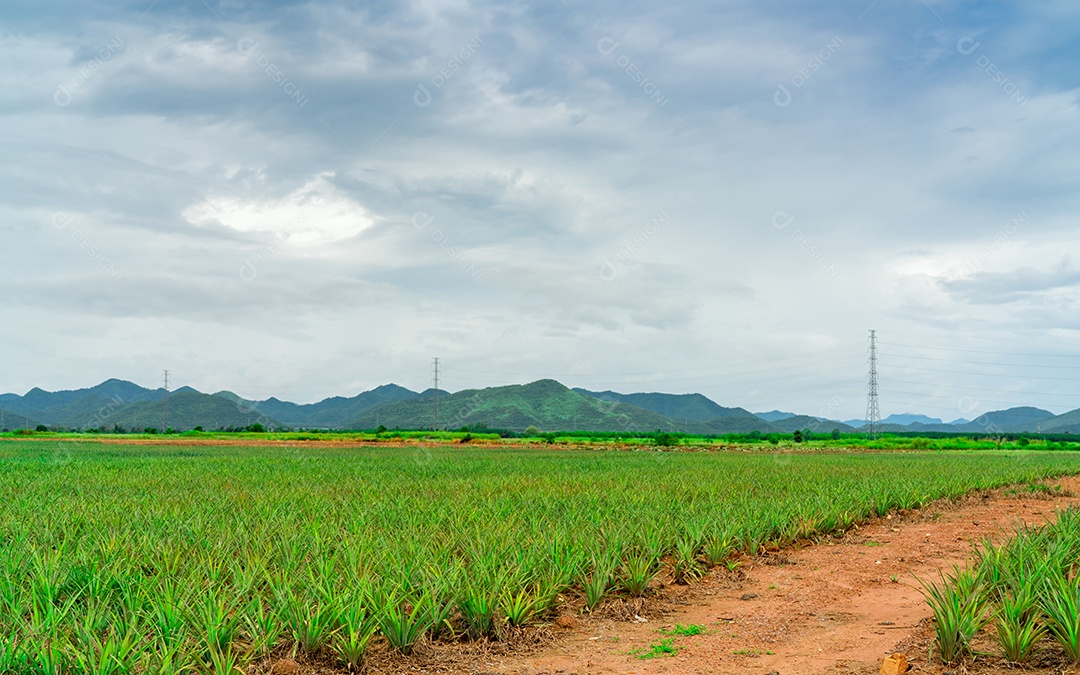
x=838, y=606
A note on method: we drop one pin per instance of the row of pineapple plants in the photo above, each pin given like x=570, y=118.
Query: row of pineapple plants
x=1025, y=592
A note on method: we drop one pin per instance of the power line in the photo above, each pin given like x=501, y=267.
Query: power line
x=982, y=363
x=772, y=361
x=940, y=385
x=962, y=372
x=983, y=351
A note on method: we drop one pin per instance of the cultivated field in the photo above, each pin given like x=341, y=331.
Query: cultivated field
x=159, y=559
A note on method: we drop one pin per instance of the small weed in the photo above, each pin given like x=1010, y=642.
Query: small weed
x=687, y=630
x=656, y=649
x=752, y=652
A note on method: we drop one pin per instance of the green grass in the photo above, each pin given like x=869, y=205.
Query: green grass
x=666, y=647
x=688, y=630
x=166, y=559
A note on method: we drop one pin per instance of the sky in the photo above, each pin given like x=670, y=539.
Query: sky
x=310, y=199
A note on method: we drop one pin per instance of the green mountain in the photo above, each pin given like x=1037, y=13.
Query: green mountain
x=78, y=407
x=774, y=415
x=545, y=404
x=1013, y=420
x=11, y=420
x=186, y=410
x=728, y=425
x=330, y=413
x=678, y=407
x=817, y=425
x=1065, y=423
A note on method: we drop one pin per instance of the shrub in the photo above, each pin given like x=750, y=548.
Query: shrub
x=665, y=440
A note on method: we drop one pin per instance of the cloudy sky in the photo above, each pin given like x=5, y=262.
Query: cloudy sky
x=307, y=199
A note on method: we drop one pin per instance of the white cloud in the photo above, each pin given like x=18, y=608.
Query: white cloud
x=312, y=215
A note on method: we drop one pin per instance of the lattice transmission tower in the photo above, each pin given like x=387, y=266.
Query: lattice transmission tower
x=165, y=402
x=873, y=414
x=435, y=425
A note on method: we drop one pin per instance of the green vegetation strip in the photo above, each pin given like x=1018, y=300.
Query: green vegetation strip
x=118, y=559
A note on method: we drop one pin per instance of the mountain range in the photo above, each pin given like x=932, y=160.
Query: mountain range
x=545, y=404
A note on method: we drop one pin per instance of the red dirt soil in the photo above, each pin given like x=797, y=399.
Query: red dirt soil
x=839, y=606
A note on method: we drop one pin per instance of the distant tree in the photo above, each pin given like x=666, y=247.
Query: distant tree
x=170, y=430
x=257, y=428
x=466, y=438
x=798, y=436
x=666, y=440
x=836, y=434
x=199, y=429
x=531, y=430
x=149, y=430
x=380, y=429
x=1023, y=440
x=41, y=427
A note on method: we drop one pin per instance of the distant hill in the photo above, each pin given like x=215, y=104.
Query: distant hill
x=545, y=404
x=187, y=410
x=774, y=415
x=10, y=420
x=76, y=407
x=118, y=402
x=1012, y=420
x=1065, y=423
x=677, y=407
x=817, y=425
x=905, y=419
x=330, y=413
